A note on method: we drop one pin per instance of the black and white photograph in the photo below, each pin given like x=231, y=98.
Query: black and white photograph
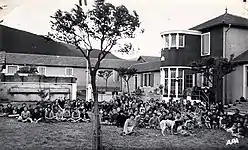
x=124, y=74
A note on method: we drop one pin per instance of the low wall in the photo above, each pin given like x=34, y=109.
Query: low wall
x=33, y=91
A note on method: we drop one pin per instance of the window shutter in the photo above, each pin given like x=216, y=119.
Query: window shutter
x=152, y=80
x=141, y=80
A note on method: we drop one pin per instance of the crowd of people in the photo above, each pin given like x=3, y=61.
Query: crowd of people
x=132, y=113
x=60, y=110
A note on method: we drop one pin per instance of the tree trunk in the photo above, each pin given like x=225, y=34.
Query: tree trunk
x=97, y=127
x=217, y=90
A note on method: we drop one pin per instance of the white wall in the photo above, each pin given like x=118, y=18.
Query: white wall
x=236, y=41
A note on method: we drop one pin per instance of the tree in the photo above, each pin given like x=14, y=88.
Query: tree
x=126, y=74
x=214, y=69
x=99, y=28
x=105, y=74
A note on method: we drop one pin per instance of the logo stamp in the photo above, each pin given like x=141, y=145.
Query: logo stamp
x=232, y=141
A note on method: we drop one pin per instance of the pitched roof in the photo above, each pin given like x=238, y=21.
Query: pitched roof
x=147, y=66
x=242, y=58
x=17, y=41
x=62, y=61
x=93, y=54
x=224, y=19
x=148, y=58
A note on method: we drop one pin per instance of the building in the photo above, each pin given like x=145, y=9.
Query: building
x=53, y=59
x=148, y=74
x=224, y=36
x=59, y=63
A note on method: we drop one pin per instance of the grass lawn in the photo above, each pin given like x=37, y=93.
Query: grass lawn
x=16, y=135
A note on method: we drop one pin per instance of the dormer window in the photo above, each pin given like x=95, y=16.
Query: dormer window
x=174, y=40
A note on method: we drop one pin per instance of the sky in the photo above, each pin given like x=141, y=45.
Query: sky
x=156, y=16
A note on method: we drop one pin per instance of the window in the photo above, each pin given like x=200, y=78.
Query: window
x=68, y=71
x=205, y=81
x=166, y=81
x=116, y=76
x=12, y=69
x=42, y=70
x=180, y=81
x=181, y=40
x=173, y=82
x=136, y=82
x=188, y=81
x=147, y=79
x=174, y=40
x=205, y=44
x=167, y=41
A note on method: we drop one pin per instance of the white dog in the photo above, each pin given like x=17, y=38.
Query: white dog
x=167, y=124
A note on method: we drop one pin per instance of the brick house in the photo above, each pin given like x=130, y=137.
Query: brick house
x=223, y=36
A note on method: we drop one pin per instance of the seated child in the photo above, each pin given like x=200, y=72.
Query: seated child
x=154, y=122
x=162, y=116
x=22, y=108
x=120, y=120
x=229, y=122
x=198, y=121
x=25, y=115
x=42, y=113
x=14, y=113
x=146, y=120
x=37, y=116
x=75, y=115
x=9, y=109
x=2, y=111
x=142, y=109
x=223, y=122
x=84, y=116
x=233, y=129
x=66, y=115
x=49, y=115
x=137, y=118
x=189, y=125
x=178, y=121
x=113, y=117
x=129, y=125
x=207, y=121
x=215, y=121
x=105, y=118
x=59, y=115
x=182, y=131
x=246, y=121
x=240, y=132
